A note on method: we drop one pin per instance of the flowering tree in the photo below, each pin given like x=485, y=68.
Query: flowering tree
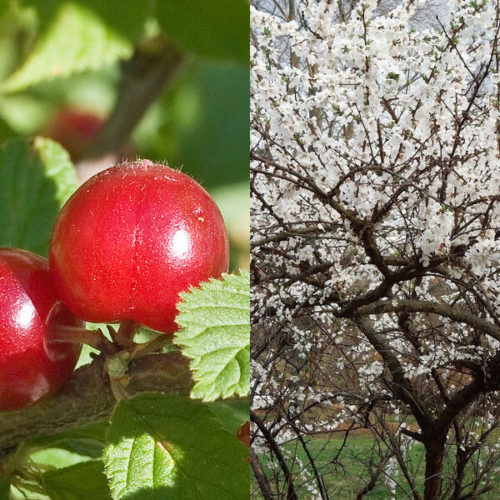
x=376, y=218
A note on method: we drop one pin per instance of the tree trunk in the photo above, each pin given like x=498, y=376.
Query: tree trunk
x=260, y=476
x=434, y=456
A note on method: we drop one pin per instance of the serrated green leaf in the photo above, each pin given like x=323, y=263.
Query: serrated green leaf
x=167, y=446
x=79, y=482
x=58, y=167
x=76, y=40
x=216, y=336
x=210, y=28
x=36, y=178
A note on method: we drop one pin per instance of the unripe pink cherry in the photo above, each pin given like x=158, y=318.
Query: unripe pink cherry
x=31, y=367
x=131, y=239
x=74, y=129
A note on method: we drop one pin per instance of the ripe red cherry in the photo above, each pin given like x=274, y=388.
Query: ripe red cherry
x=130, y=239
x=30, y=366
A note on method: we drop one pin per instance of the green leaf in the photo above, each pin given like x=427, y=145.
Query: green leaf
x=126, y=17
x=167, y=446
x=85, y=441
x=216, y=336
x=232, y=413
x=23, y=113
x=36, y=178
x=76, y=40
x=4, y=488
x=210, y=28
x=79, y=482
x=57, y=457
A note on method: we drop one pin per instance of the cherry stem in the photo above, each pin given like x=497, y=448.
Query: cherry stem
x=124, y=337
x=77, y=335
x=152, y=346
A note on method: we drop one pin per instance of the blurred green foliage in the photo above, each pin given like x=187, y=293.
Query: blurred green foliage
x=206, y=128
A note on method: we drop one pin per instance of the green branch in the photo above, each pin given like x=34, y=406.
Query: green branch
x=88, y=397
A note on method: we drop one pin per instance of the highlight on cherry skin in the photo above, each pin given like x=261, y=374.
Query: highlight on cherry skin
x=31, y=367
x=131, y=239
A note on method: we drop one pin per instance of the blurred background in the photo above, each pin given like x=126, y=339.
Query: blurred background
x=124, y=79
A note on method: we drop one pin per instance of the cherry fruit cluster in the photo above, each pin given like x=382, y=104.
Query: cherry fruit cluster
x=123, y=247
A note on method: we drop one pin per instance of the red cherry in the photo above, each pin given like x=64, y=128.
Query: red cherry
x=30, y=367
x=131, y=239
x=74, y=129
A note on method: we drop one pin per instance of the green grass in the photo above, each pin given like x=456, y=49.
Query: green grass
x=346, y=478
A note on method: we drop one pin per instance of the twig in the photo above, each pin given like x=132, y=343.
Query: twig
x=144, y=78
x=124, y=337
x=76, y=335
